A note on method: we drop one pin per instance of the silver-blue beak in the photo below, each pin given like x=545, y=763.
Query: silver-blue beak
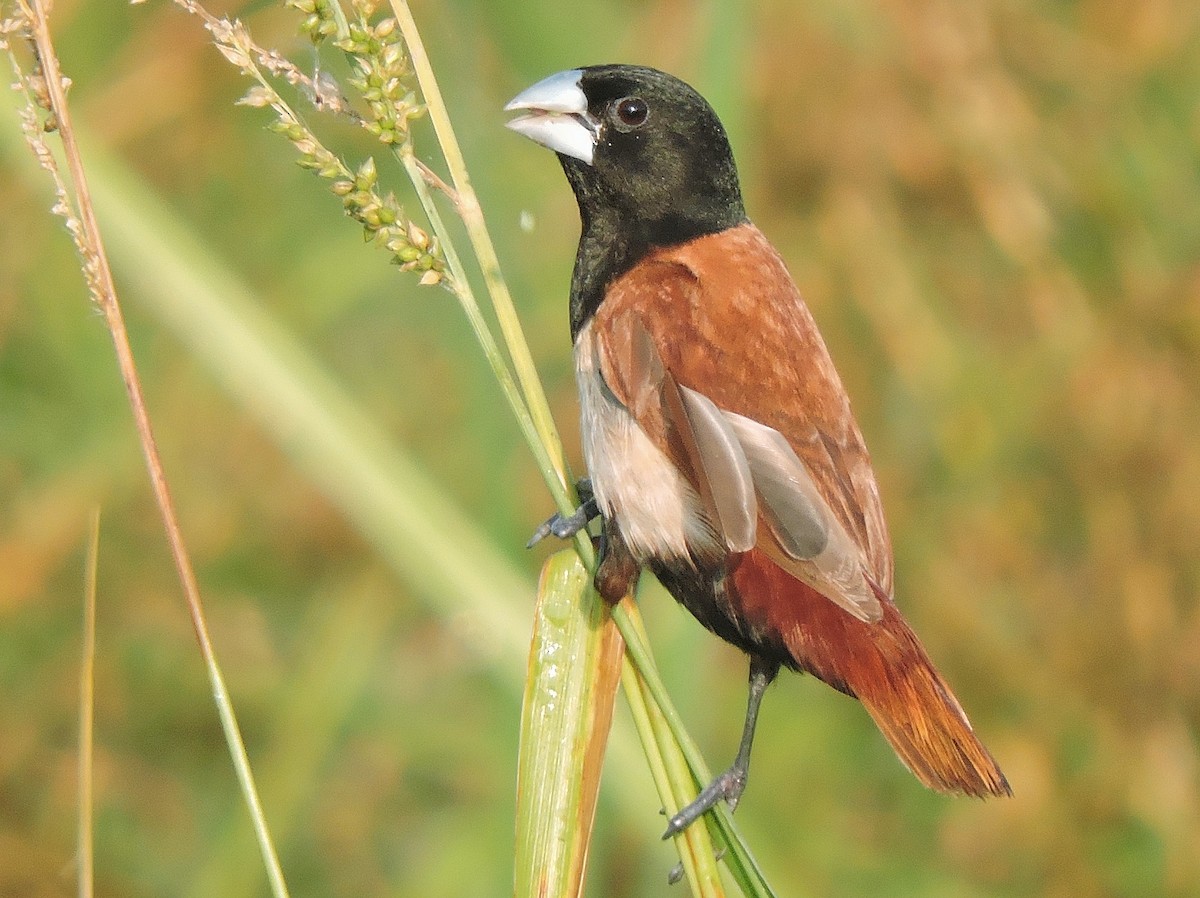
x=557, y=116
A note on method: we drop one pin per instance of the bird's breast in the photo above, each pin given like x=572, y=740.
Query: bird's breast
x=635, y=483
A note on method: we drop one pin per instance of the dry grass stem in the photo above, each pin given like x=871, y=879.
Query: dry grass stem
x=87, y=706
x=75, y=205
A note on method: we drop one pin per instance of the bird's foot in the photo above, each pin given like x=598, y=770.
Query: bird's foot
x=728, y=786
x=564, y=527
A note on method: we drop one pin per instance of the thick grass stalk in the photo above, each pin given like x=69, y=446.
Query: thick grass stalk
x=697, y=862
x=675, y=739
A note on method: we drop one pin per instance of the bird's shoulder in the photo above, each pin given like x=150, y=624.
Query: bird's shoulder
x=728, y=321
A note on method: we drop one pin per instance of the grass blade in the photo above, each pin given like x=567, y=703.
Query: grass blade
x=87, y=710
x=574, y=669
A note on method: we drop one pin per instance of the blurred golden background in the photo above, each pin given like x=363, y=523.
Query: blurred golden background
x=993, y=209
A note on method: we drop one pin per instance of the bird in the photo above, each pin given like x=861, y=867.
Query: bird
x=721, y=450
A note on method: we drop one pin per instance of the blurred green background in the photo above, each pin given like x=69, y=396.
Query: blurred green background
x=994, y=211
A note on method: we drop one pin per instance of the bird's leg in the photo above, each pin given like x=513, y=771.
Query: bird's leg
x=730, y=784
x=618, y=571
x=566, y=527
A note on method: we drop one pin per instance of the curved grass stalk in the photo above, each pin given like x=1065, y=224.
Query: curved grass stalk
x=481, y=242
x=547, y=453
x=77, y=208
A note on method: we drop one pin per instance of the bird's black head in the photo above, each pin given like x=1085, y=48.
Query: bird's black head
x=648, y=161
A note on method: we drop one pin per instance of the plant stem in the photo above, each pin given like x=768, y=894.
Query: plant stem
x=105, y=295
x=481, y=242
x=87, y=711
x=549, y=465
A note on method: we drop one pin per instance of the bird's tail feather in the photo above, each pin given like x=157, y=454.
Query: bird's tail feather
x=883, y=665
x=914, y=708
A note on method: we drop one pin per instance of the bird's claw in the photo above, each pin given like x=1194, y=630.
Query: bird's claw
x=566, y=527
x=729, y=787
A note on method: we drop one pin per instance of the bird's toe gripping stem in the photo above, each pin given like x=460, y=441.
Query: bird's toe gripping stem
x=565, y=527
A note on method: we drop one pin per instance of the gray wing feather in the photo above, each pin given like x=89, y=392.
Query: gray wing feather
x=816, y=547
x=726, y=470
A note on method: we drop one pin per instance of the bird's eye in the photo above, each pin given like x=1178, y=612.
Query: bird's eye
x=632, y=111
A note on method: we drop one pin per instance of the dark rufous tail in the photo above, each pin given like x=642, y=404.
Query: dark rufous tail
x=883, y=665
x=915, y=709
